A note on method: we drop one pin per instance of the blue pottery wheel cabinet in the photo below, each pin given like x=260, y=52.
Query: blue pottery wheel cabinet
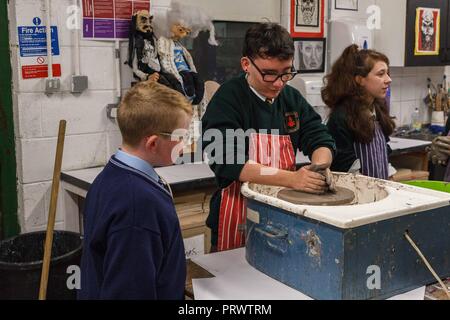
x=356, y=251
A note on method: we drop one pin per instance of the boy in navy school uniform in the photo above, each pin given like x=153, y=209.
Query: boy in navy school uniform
x=133, y=248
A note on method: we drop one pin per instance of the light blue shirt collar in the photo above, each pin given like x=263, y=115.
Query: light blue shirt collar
x=137, y=163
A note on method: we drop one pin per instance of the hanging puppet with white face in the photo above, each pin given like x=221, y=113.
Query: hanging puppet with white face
x=143, y=55
x=183, y=21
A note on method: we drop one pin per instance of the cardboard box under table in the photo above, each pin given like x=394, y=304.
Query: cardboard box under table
x=356, y=251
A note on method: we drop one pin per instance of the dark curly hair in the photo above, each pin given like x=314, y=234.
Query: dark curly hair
x=268, y=40
x=342, y=90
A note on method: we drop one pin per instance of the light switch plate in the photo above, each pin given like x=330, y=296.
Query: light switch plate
x=52, y=85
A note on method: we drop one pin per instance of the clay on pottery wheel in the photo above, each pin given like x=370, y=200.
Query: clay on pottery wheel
x=341, y=197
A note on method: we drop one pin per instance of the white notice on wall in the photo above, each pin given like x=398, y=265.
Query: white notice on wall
x=194, y=246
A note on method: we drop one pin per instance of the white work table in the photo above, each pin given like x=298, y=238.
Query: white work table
x=235, y=279
x=407, y=144
x=178, y=174
x=76, y=183
x=175, y=174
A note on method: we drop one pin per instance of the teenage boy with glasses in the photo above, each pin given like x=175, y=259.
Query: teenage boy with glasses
x=284, y=123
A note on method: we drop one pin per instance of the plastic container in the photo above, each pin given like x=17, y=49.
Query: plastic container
x=416, y=123
x=21, y=265
x=428, y=184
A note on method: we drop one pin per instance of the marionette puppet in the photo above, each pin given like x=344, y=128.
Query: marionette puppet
x=142, y=53
x=182, y=21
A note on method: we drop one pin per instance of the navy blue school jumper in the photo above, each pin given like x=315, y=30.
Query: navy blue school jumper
x=133, y=248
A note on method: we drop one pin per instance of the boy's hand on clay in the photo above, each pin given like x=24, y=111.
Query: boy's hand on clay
x=443, y=144
x=329, y=178
x=309, y=181
x=440, y=150
x=324, y=170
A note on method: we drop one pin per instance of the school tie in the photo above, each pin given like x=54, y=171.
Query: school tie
x=269, y=101
x=163, y=184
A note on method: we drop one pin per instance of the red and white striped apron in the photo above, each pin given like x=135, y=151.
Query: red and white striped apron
x=274, y=151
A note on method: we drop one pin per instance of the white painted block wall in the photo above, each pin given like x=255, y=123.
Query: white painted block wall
x=90, y=137
x=408, y=83
x=409, y=87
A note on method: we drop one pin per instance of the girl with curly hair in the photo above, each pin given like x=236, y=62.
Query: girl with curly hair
x=359, y=121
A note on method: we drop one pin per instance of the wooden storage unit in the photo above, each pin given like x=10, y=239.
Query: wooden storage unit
x=193, y=209
x=411, y=166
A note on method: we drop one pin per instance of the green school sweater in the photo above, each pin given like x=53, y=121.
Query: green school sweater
x=345, y=139
x=235, y=106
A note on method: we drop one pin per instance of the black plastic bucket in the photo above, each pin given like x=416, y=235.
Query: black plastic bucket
x=21, y=265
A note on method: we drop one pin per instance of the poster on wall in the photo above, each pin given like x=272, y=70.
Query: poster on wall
x=307, y=18
x=427, y=32
x=351, y=5
x=309, y=56
x=109, y=19
x=32, y=39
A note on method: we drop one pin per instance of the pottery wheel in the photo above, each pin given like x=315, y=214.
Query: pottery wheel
x=341, y=197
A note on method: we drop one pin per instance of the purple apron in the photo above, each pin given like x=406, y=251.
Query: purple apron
x=373, y=156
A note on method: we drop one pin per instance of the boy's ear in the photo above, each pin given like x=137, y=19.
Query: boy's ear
x=245, y=63
x=151, y=142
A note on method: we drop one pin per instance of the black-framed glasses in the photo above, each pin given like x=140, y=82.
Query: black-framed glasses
x=270, y=77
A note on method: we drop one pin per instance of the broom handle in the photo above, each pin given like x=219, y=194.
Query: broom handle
x=52, y=210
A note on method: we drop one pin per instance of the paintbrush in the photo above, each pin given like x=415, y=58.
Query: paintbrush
x=445, y=96
x=432, y=85
x=429, y=98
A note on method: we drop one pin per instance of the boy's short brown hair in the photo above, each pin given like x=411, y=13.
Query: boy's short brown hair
x=150, y=108
x=268, y=40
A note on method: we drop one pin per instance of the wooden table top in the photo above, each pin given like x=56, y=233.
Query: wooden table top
x=194, y=271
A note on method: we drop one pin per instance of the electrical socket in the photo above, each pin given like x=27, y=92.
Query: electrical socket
x=79, y=84
x=52, y=85
x=111, y=110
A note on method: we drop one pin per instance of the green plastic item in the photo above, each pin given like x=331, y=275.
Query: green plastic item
x=433, y=185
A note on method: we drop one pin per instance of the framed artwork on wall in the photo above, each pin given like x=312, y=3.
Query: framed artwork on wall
x=309, y=56
x=427, y=32
x=351, y=5
x=307, y=18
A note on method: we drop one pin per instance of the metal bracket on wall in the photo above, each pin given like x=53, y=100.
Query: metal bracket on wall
x=328, y=44
x=79, y=83
x=111, y=111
